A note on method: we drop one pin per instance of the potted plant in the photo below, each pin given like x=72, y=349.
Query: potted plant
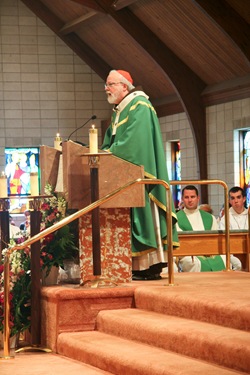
x=59, y=245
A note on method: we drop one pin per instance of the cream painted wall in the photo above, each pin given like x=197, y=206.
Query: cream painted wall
x=223, y=124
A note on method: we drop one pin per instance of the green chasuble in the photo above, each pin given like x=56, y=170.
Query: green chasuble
x=138, y=140
x=212, y=263
x=185, y=225
x=208, y=264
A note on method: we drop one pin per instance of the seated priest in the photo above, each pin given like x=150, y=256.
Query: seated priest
x=191, y=218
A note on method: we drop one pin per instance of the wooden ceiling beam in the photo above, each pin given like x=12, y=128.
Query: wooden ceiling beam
x=230, y=22
x=76, y=23
x=119, y=4
x=224, y=92
x=116, y=4
x=235, y=89
x=89, y=4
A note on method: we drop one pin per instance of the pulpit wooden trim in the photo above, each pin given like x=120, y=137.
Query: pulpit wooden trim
x=49, y=164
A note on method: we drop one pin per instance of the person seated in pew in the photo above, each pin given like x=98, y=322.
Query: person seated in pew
x=238, y=213
x=191, y=218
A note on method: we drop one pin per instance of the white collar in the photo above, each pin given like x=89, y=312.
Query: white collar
x=125, y=101
x=233, y=212
x=189, y=212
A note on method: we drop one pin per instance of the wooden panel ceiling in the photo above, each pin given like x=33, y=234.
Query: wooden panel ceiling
x=171, y=47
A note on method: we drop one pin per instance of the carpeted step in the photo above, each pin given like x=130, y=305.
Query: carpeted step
x=213, y=305
x=124, y=357
x=216, y=344
x=40, y=363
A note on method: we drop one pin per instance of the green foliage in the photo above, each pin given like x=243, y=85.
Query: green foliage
x=59, y=245
x=20, y=291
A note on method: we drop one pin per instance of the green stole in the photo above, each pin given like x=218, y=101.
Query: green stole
x=212, y=263
x=208, y=264
x=185, y=225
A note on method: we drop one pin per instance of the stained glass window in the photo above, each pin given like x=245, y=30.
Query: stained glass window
x=176, y=172
x=246, y=164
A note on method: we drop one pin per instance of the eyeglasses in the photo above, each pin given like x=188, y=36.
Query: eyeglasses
x=112, y=84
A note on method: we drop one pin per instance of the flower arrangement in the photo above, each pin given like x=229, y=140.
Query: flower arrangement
x=55, y=248
x=20, y=289
x=59, y=245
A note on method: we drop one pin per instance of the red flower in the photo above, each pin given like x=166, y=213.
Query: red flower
x=51, y=217
x=45, y=206
x=48, y=239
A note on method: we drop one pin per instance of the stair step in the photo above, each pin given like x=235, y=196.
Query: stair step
x=124, y=357
x=207, y=306
x=40, y=363
x=220, y=345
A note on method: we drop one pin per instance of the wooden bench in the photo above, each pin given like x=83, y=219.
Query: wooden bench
x=214, y=243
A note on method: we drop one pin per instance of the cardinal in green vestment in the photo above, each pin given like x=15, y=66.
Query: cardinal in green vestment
x=134, y=135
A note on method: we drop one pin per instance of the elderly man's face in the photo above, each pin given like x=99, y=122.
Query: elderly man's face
x=115, y=90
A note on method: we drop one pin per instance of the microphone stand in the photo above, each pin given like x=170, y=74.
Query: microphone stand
x=80, y=127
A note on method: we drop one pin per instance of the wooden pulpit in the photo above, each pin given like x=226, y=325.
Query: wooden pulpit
x=114, y=172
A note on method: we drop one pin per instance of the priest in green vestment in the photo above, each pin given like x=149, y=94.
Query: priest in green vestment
x=191, y=218
x=134, y=135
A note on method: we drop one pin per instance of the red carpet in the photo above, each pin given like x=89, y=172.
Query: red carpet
x=199, y=326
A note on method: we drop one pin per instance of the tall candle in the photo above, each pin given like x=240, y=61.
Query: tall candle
x=3, y=186
x=93, y=140
x=34, y=186
x=58, y=142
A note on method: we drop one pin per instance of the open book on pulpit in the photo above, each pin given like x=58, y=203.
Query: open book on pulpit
x=73, y=173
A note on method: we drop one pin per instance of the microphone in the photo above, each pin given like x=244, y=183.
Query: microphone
x=91, y=118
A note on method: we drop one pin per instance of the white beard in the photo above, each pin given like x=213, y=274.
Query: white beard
x=112, y=99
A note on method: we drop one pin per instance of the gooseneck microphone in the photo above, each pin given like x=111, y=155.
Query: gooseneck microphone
x=91, y=118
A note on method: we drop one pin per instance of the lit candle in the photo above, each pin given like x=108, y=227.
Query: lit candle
x=3, y=186
x=34, y=188
x=93, y=140
x=58, y=142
